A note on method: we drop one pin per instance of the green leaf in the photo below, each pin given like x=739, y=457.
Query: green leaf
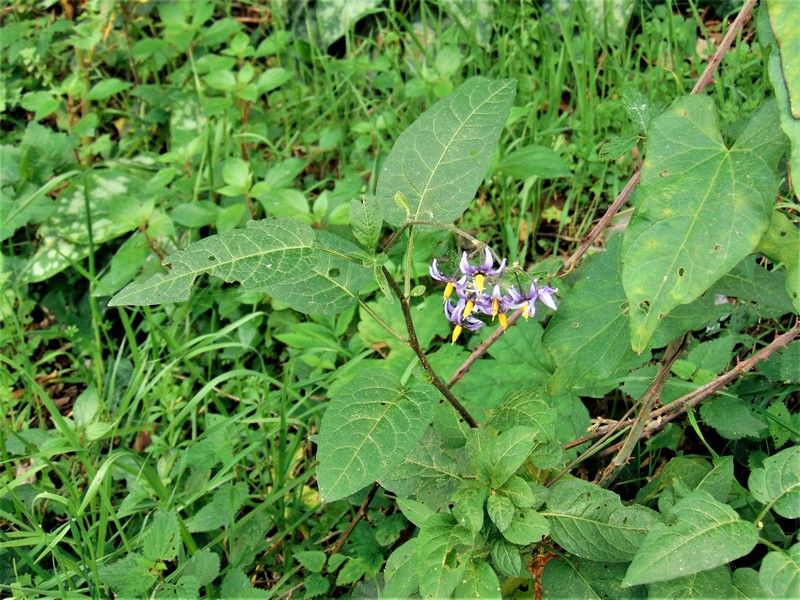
x=316, y=585
x=366, y=220
x=272, y=78
x=719, y=480
x=575, y=578
x=506, y=558
x=280, y=255
x=478, y=581
x=745, y=582
x=592, y=523
x=414, y=511
x=501, y=455
x=369, y=427
x=430, y=472
x=518, y=491
x=533, y=160
x=221, y=80
x=780, y=573
x=42, y=104
x=103, y=90
x=588, y=336
x=236, y=173
x=438, y=162
x=783, y=17
x=236, y=586
x=703, y=533
x=203, y=566
x=401, y=571
x=527, y=527
x=501, y=511
x=438, y=574
x=778, y=483
x=162, y=538
x=221, y=510
x=781, y=243
x=715, y=583
x=129, y=576
x=312, y=560
x=467, y=506
x=701, y=208
x=789, y=123
x=732, y=417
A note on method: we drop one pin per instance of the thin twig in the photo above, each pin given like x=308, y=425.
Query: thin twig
x=646, y=403
x=483, y=347
x=423, y=360
x=362, y=510
x=703, y=81
x=661, y=416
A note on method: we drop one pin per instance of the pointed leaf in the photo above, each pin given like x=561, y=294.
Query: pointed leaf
x=438, y=539
x=478, y=581
x=715, y=583
x=778, y=483
x=704, y=534
x=593, y=523
x=369, y=427
x=527, y=527
x=438, y=162
x=780, y=573
x=701, y=208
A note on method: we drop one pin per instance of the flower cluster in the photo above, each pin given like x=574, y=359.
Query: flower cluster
x=473, y=299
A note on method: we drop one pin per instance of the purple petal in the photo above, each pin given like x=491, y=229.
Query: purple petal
x=546, y=296
x=464, y=264
x=488, y=261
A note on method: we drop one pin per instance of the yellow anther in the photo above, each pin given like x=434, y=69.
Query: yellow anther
x=503, y=321
x=495, y=307
x=468, y=308
x=524, y=308
x=448, y=290
x=456, y=333
x=480, y=280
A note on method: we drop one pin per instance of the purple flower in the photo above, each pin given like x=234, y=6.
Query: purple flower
x=527, y=302
x=546, y=296
x=460, y=317
x=480, y=271
x=452, y=284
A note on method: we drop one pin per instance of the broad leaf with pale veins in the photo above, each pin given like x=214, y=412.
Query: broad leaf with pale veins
x=778, y=482
x=780, y=573
x=309, y=271
x=701, y=208
x=439, y=161
x=369, y=427
x=702, y=534
x=574, y=578
x=592, y=523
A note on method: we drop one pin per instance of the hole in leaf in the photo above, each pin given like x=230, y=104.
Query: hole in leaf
x=664, y=173
x=681, y=272
x=334, y=272
x=211, y=258
x=168, y=266
x=661, y=316
x=782, y=233
x=717, y=247
x=575, y=325
x=644, y=306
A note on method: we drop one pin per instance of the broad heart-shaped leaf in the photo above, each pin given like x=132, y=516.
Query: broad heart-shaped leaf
x=701, y=208
x=309, y=271
x=571, y=577
x=781, y=243
x=702, y=534
x=778, y=483
x=780, y=573
x=369, y=427
x=592, y=523
x=439, y=161
x=401, y=571
x=478, y=581
x=588, y=336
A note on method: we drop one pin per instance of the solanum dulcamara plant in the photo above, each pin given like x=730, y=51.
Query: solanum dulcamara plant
x=477, y=450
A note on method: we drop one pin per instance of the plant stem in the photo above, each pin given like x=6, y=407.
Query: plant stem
x=423, y=360
x=645, y=403
x=362, y=510
x=703, y=81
